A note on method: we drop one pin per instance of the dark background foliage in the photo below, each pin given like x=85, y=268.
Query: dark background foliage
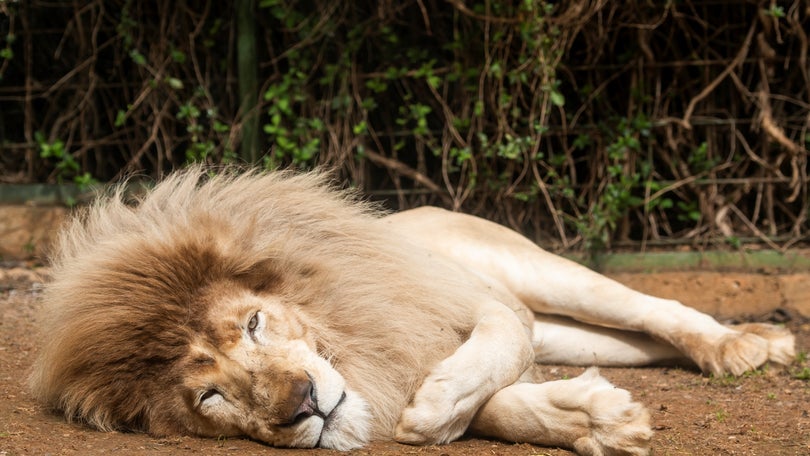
x=585, y=124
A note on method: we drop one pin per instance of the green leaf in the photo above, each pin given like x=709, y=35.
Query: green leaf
x=557, y=99
x=137, y=57
x=284, y=106
x=776, y=11
x=175, y=83
x=120, y=118
x=376, y=85
x=220, y=127
x=285, y=143
x=178, y=56
x=495, y=69
x=272, y=92
x=478, y=109
x=360, y=128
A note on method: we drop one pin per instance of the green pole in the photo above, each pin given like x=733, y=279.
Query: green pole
x=247, y=66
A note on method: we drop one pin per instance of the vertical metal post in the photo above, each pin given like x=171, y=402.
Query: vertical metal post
x=247, y=66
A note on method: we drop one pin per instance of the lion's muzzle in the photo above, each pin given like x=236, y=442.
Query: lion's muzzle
x=302, y=402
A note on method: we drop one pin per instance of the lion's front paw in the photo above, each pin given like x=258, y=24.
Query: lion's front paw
x=586, y=413
x=617, y=425
x=415, y=427
x=431, y=419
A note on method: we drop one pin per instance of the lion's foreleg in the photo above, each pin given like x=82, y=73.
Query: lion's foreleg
x=498, y=351
x=586, y=414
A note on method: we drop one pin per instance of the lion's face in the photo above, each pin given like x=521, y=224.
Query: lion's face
x=258, y=373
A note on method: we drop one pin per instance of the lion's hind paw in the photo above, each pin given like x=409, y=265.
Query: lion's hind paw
x=740, y=353
x=741, y=348
x=753, y=345
x=781, y=343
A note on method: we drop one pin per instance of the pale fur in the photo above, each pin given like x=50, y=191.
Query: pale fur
x=247, y=219
x=425, y=320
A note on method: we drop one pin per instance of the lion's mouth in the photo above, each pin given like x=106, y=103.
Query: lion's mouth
x=310, y=407
x=327, y=420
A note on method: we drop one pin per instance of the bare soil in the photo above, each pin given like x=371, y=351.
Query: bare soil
x=766, y=412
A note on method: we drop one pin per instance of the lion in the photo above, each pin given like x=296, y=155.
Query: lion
x=276, y=306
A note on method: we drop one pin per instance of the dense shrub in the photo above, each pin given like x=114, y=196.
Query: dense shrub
x=585, y=124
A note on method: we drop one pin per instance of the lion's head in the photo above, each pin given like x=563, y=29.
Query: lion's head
x=265, y=305
x=257, y=368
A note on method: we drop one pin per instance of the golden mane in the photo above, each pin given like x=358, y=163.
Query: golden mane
x=121, y=312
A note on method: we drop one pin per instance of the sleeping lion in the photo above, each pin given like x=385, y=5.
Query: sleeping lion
x=274, y=306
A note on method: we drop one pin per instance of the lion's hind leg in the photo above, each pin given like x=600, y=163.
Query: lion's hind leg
x=586, y=413
x=561, y=340
x=549, y=284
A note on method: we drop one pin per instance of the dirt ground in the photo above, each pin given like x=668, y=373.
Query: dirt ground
x=766, y=412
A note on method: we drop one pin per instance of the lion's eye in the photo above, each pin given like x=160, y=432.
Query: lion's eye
x=253, y=323
x=209, y=394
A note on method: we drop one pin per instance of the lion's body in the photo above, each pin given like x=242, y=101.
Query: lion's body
x=272, y=306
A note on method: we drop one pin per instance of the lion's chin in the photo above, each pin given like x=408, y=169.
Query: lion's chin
x=348, y=425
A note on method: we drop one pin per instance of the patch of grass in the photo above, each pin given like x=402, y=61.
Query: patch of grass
x=801, y=357
x=756, y=372
x=724, y=380
x=803, y=374
x=720, y=415
x=732, y=380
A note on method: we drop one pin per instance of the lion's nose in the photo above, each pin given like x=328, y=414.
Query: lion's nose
x=303, y=393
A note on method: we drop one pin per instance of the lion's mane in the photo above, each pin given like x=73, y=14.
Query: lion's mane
x=120, y=312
